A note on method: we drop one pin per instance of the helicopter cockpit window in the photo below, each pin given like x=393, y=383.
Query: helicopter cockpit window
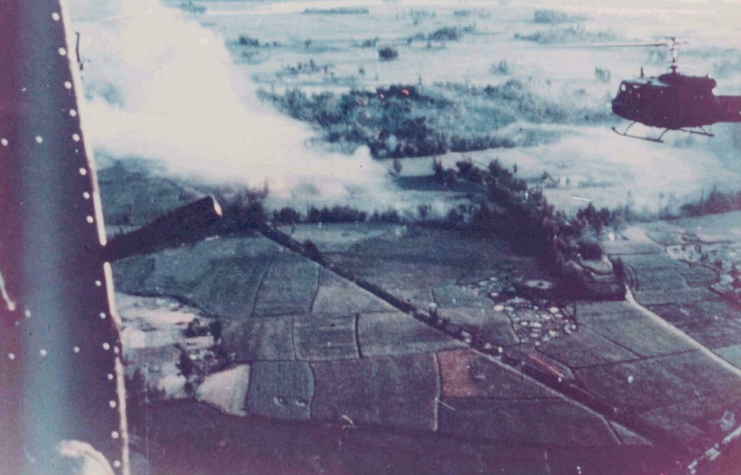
x=622, y=87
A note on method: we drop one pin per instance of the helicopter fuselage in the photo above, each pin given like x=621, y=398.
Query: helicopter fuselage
x=674, y=101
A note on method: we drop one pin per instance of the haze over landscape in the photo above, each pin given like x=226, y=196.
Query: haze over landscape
x=433, y=255
x=178, y=88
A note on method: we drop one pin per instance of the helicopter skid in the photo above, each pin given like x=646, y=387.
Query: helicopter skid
x=698, y=132
x=659, y=138
x=648, y=139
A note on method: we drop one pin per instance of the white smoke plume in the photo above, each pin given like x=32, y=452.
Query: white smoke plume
x=161, y=86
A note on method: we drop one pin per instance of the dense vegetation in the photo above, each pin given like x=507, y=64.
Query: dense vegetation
x=567, y=34
x=554, y=17
x=714, y=202
x=245, y=40
x=521, y=216
x=447, y=33
x=335, y=214
x=532, y=226
x=526, y=218
x=412, y=121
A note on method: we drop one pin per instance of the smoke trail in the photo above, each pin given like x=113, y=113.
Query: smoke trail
x=163, y=87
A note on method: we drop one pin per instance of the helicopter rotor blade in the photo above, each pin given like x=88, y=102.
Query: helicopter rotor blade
x=620, y=45
x=670, y=42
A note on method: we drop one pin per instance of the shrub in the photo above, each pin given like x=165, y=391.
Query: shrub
x=185, y=364
x=715, y=202
x=245, y=40
x=388, y=53
x=337, y=214
x=286, y=216
x=438, y=170
x=397, y=167
x=312, y=251
x=618, y=266
x=602, y=74
x=567, y=34
x=388, y=216
x=504, y=181
x=243, y=216
x=468, y=171
x=503, y=67
x=369, y=43
x=310, y=67
x=454, y=217
x=553, y=17
x=215, y=328
x=593, y=218
x=590, y=249
x=447, y=33
x=450, y=177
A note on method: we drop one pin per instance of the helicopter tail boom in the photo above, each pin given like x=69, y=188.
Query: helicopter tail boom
x=730, y=107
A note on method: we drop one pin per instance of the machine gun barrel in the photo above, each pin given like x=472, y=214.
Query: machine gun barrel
x=183, y=224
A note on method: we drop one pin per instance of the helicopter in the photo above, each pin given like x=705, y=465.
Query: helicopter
x=673, y=101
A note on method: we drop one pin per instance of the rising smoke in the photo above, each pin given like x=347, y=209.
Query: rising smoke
x=163, y=87
x=160, y=86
